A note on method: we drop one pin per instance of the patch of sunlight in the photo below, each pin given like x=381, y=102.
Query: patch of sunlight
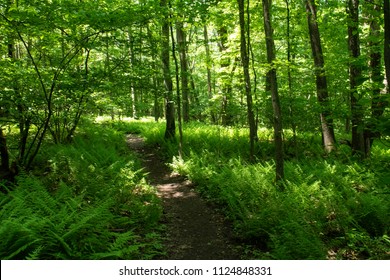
x=331, y=168
x=100, y=119
x=108, y=118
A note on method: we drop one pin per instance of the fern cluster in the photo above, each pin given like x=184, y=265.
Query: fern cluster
x=90, y=202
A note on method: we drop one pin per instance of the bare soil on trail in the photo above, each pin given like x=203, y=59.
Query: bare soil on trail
x=194, y=230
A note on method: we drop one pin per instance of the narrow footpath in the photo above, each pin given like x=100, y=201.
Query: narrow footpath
x=195, y=231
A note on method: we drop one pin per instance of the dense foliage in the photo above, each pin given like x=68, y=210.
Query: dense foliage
x=88, y=200
x=333, y=207
x=227, y=72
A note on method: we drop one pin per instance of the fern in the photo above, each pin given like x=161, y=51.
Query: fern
x=93, y=204
x=35, y=254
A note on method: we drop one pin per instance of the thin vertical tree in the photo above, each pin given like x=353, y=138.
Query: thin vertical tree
x=289, y=75
x=5, y=171
x=208, y=69
x=165, y=58
x=226, y=78
x=355, y=80
x=132, y=85
x=156, y=78
x=182, y=49
x=178, y=98
x=386, y=48
x=378, y=103
x=328, y=137
x=247, y=79
x=273, y=86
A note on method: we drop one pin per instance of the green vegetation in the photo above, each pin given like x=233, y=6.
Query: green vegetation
x=88, y=200
x=278, y=110
x=332, y=206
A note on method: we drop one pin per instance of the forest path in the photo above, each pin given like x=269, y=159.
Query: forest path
x=195, y=231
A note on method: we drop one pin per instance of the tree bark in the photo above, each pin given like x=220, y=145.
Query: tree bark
x=170, y=111
x=178, y=99
x=4, y=167
x=273, y=85
x=208, y=67
x=289, y=77
x=247, y=79
x=225, y=77
x=386, y=12
x=182, y=48
x=134, y=112
x=194, y=95
x=377, y=101
x=321, y=79
x=355, y=80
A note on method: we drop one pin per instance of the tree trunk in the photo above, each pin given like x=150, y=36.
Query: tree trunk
x=179, y=116
x=4, y=167
x=377, y=102
x=247, y=80
x=181, y=46
x=226, y=78
x=134, y=112
x=321, y=79
x=272, y=78
x=170, y=121
x=254, y=72
x=355, y=80
x=155, y=79
x=386, y=12
x=289, y=78
x=194, y=95
x=170, y=109
x=208, y=67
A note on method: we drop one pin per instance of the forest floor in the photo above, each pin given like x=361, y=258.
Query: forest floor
x=194, y=228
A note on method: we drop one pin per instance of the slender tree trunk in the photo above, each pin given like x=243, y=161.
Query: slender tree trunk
x=321, y=79
x=194, y=96
x=377, y=102
x=225, y=80
x=289, y=78
x=182, y=48
x=208, y=69
x=254, y=72
x=4, y=167
x=247, y=79
x=227, y=117
x=178, y=99
x=355, y=80
x=82, y=100
x=272, y=78
x=22, y=116
x=170, y=106
x=155, y=79
x=134, y=112
x=386, y=55
x=156, y=103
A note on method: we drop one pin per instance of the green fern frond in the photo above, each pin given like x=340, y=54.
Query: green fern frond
x=35, y=254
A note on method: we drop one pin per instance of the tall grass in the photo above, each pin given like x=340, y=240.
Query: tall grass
x=333, y=206
x=88, y=200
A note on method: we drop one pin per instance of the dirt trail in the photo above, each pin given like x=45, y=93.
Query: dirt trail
x=194, y=230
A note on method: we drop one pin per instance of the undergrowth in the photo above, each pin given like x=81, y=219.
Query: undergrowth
x=333, y=207
x=87, y=200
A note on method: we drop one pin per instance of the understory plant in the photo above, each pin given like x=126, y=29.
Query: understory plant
x=87, y=200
